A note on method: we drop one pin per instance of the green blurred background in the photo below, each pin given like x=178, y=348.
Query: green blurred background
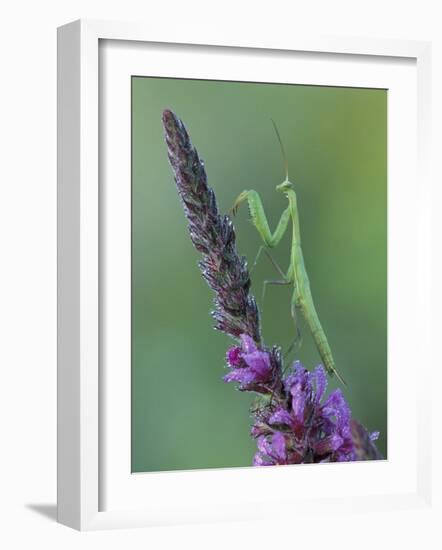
x=183, y=415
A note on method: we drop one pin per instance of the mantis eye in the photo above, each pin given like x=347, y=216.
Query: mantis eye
x=284, y=186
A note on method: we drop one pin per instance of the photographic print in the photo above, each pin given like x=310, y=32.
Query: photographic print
x=259, y=264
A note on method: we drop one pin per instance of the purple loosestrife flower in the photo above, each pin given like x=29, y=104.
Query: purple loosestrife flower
x=250, y=366
x=236, y=311
x=314, y=430
x=273, y=450
x=298, y=424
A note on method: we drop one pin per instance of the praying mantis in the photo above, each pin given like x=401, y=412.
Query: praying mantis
x=296, y=274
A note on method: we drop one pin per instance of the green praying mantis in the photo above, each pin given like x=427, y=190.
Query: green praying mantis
x=296, y=274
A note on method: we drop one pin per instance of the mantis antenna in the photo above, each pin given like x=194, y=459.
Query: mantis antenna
x=284, y=156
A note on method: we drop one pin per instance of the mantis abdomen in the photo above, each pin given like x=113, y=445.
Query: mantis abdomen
x=312, y=319
x=304, y=300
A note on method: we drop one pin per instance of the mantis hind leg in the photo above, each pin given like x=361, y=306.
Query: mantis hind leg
x=284, y=281
x=297, y=341
x=281, y=282
x=262, y=248
x=274, y=263
x=255, y=261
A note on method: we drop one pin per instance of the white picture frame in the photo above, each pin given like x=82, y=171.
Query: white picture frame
x=82, y=441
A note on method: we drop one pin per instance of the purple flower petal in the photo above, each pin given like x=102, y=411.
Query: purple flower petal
x=248, y=344
x=278, y=446
x=234, y=356
x=281, y=416
x=258, y=460
x=298, y=402
x=259, y=361
x=335, y=405
x=243, y=376
x=264, y=445
x=297, y=372
x=321, y=382
x=260, y=428
x=328, y=444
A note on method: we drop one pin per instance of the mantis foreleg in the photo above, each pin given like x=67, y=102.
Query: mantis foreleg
x=259, y=218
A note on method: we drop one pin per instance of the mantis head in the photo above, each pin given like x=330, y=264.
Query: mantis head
x=284, y=186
